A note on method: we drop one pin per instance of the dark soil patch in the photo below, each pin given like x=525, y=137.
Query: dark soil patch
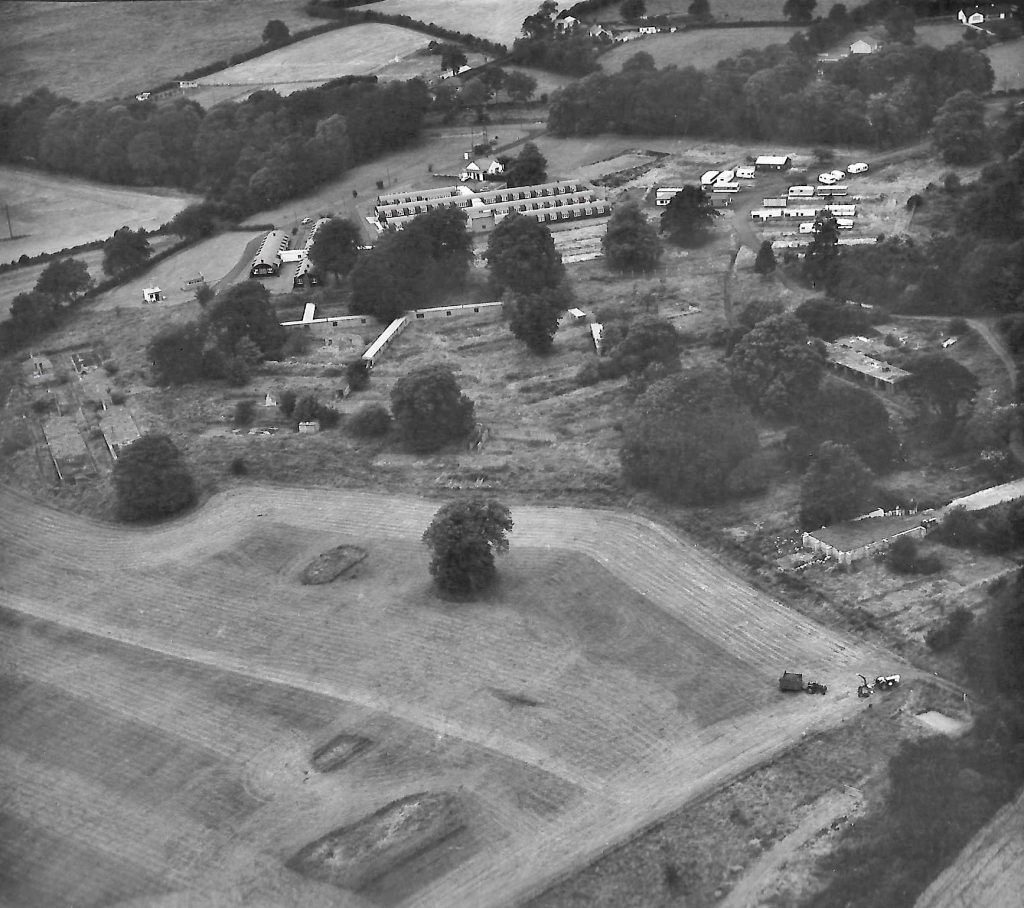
x=513, y=699
x=338, y=751
x=330, y=565
x=353, y=856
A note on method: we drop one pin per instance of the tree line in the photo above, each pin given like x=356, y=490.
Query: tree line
x=244, y=156
x=881, y=99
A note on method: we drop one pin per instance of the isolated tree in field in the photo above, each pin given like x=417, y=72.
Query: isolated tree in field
x=685, y=435
x=430, y=409
x=533, y=317
x=242, y=312
x=65, y=280
x=942, y=387
x=765, y=262
x=958, y=130
x=463, y=538
x=176, y=354
x=125, y=249
x=519, y=86
x=631, y=10
x=521, y=256
x=335, y=247
x=151, y=479
x=821, y=260
x=799, y=10
x=32, y=314
x=836, y=487
x=528, y=168
x=775, y=367
x=630, y=243
x=699, y=9
x=275, y=32
x=848, y=415
x=688, y=217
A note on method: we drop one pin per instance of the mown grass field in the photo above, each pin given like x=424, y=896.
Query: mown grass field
x=50, y=212
x=701, y=49
x=89, y=51
x=371, y=49
x=496, y=20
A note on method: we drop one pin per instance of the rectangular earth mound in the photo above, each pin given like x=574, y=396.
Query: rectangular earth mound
x=353, y=856
x=338, y=751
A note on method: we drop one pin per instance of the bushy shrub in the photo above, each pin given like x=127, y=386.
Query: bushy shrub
x=245, y=413
x=286, y=402
x=358, y=374
x=118, y=398
x=949, y=632
x=111, y=367
x=905, y=558
x=239, y=467
x=588, y=374
x=370, y=421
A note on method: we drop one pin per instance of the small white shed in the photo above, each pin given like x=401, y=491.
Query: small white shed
x=152, y=295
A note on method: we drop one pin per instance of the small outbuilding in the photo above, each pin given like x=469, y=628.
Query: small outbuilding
x=773, y=162
x=152, y=295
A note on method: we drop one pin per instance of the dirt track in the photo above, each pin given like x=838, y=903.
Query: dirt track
x=112, y=570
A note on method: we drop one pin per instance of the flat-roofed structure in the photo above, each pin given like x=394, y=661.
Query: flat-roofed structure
x=119, y=429
x=855, y=539
x=851, y=363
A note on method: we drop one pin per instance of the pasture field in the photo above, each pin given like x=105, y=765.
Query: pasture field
x=701, y=49
x=90, y=51
x=496, y=20
x=50, y=212
x=730, y=10
x=370, y=49
x=166, y=691
x=1008, y=63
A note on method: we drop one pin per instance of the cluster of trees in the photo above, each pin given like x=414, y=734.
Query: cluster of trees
x=546, y=44
x=237, y=331
x=59, y=287
x=881, y=99
x=430, y=410
x=409, y=268
x=630, y=243
x=975, y=266
x=526, y=268
x=249, y=155
x=688, y=217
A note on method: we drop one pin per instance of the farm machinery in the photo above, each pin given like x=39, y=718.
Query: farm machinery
x=882, y=682
x=794, y=681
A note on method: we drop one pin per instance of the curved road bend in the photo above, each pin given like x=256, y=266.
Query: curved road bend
x=671, y=571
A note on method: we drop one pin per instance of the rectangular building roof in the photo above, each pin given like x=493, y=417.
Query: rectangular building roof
x=846, y=356
x=853, y=534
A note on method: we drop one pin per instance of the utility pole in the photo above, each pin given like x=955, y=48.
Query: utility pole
x=10, y=229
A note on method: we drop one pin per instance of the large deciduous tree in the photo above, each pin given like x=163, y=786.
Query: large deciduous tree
x=685, y=436
x=799, y=10
x=942, y=387
x=335, y=247
x=521, y=256
x=151, y=479
x=533, y=317
x=275, y=32
x=776, y=367
x=821, y=260
x=688, y=217
x=124, y=250
x=444, y=235
x=645, y=341
x=528, y=168
x=630, y=10
x=176, y=354
x=699, y=9
x=837, y=486
x=958, y=130
x=630, y=243
x=463, y=538
x=65, y=280
x=765, y=262
x=430, y=409
x=519, y=86
x=848, y=415
x=242, y=312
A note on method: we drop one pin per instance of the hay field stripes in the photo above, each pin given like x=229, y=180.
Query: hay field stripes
x=622, y=795
x=359, y=50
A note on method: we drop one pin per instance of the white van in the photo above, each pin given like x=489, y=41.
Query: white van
x=800, y=192
x=838, y=174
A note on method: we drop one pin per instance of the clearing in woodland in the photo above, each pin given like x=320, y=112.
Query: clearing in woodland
x=167, y=692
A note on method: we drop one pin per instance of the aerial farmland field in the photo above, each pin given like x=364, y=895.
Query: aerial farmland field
x=496, y=20
x=182, y=715
x=89, y=51
x=730, y=10
x=371, y=49
x=701, y=49
x=50, y=212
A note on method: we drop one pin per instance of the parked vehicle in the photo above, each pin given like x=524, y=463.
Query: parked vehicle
x=816, y=687
x=838, y=174
x=800, y=192
x=859, y=167
x=826, y=179
x=794, y=681
x=887, y=682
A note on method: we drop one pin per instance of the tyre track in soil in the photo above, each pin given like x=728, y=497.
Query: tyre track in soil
x=672, y=572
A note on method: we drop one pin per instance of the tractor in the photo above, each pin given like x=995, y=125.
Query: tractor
x=882, y=682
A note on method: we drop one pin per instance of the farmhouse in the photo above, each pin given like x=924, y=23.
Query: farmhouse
x=855, y=539
x=268, y=260
x=773, y=162
x=978, y=15
x=863, y=47
x=474, y=172
x=851, y=363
